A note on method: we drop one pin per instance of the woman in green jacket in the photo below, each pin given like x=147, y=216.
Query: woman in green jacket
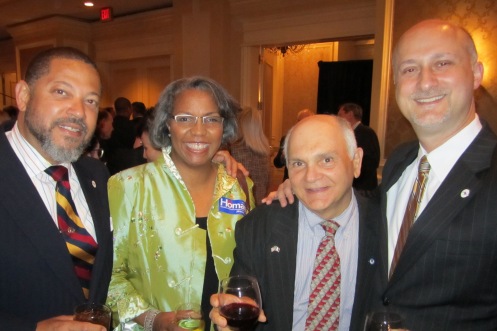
x=174, y=219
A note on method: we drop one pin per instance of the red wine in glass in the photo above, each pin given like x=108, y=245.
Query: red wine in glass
x=242, y=316
x=240, y=302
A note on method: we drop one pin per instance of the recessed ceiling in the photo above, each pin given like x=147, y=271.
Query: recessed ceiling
x=14, y=12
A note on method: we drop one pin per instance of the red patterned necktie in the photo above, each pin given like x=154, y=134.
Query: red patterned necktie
x=324, y=300
x=411, y=209
x=80, y=243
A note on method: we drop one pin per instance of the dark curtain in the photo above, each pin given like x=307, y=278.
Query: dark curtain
x=345, y=81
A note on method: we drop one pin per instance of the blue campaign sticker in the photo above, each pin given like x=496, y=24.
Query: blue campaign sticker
x=232, y=206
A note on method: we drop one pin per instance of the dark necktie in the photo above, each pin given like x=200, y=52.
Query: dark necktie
x=411, y=210
x=324, y=299
x=80, y=243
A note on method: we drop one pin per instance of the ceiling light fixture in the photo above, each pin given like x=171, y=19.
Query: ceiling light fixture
x=88, y=4
x=285, y=49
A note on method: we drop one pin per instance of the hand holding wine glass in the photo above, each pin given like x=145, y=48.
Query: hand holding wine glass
x=240, y=302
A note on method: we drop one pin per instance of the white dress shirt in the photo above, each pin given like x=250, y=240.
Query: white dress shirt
x=441, y=160
x=35, y=166
x=310, y=233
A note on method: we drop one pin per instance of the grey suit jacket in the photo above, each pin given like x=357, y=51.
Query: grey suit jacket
x=446, y=277
x=37, y=280
x=268, y=226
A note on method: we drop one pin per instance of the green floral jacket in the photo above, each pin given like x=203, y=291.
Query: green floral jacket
x=159, y=251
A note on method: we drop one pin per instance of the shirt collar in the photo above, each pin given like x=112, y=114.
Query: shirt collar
x=33, y=161
x=443, y=158
x=314, y=220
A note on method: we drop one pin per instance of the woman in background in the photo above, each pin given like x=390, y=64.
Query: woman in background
x=174, y=219
x=252, y=150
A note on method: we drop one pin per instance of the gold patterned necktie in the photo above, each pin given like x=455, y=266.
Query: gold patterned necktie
x=80, y=243
x=411, y=210
x=324, y=299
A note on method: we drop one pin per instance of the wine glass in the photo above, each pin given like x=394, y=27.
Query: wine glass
x=189, y=316
x=93, y=313
x=240, y=302
x=384, y=321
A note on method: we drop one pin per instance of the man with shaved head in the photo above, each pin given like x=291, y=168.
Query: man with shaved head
x=439, y=264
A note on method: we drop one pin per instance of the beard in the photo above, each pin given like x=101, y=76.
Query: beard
x=60, y=154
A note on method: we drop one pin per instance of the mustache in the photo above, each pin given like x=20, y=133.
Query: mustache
x=71, y=120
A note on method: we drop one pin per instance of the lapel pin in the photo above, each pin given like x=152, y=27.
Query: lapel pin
x=93, y=184
x=275, y=249
x=465, y=193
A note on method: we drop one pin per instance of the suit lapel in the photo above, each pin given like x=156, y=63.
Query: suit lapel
x=391, y=174
x=92, y=188
x=368, y=258
x=455, y=192
x=33, y=219
x=283, y=244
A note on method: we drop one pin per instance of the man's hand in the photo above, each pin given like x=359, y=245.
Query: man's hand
x=66, y=323
x=220, y=321
x=231, y=165
x=284, y=194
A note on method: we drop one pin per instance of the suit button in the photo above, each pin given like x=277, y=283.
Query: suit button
x=386, y=301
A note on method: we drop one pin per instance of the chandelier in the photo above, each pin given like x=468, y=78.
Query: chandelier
x=283, y=50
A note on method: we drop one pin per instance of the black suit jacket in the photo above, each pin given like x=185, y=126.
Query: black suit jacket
x=124, y=131
x=37, y=279
x=446, y=277
x=268, y=226
x=368, y=141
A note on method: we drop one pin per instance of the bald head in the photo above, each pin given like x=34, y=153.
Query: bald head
x=437, y=27
x=328, y=123
x=436, y=71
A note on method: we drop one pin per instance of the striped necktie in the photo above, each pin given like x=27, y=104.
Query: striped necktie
x=324, y=299
x=80, y=243
x=411, y=209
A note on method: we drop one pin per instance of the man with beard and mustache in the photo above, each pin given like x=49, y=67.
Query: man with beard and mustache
x=40, y=283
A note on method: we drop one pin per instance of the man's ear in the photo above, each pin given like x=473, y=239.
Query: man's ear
x=22, y=95
x=357, y=161
x=478, y=74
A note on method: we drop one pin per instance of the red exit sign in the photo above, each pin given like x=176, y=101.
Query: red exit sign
x=106, y=14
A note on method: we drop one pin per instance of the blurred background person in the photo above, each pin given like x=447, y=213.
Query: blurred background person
x=8, y=117
x=124, y=131
x=173, y=239
x=252, y=150
x=103, y=134
x=368, y=141
x=138, y=112
x=143, y=145
x=93, y=149
x=279, y=160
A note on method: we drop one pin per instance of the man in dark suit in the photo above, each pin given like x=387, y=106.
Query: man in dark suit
x=58, y=102
x=278, y=245
x=445, y=275
x=368, y=141
x=124, y=128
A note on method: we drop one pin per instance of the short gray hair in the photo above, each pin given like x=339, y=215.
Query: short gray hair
x=227, y=105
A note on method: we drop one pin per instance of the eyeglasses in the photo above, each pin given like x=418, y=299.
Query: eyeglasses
x=190, y=120
x=97, y=153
